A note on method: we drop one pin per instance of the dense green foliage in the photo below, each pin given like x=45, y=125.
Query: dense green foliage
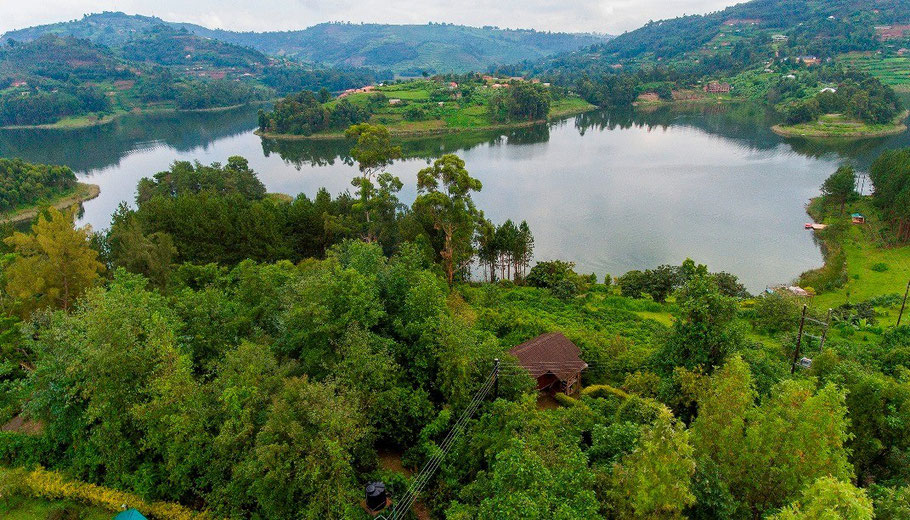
x=890, y=174
x=53, y=77
x=304, y=114
x=23, y=184
x=450, y=101
x=522, y=102
x=204, y=368
x=867, y=100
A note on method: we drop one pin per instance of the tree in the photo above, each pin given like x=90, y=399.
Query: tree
x=444, y=195
x=149, y=255
x=96, y=371
x=524, y=249
x=768, y=453
x=528, y=484
x=654, y=480
x=54, y=264
x=374, y=152
x=302, y=464
x=718, y=431
x=776, y=312
x=829, y=499
x=703, y=334
x=840, y=186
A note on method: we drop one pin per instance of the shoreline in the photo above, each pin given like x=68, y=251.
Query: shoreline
x=333, y=136
x=896, y=127
x=84, y=192
x=79, y=123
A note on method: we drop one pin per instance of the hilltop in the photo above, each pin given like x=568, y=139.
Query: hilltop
x=808, y=27
x=433, y=48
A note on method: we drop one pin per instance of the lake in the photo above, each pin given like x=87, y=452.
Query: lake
x=609, y=191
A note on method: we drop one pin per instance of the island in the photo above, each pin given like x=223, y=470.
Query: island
x=25, y=188
x=422, y=107
x=856, y=107
x=839, y=125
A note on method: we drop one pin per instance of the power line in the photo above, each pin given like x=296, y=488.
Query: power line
x=432, y=464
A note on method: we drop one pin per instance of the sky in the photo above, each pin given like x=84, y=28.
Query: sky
x=601, y=16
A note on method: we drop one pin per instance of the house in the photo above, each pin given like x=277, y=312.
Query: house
x=798, y=291
x=858, y=218
x=779, y=38
x=394, y=101
x=553, y=360
x=130, y=514
x=808, y=60
x=717, y=88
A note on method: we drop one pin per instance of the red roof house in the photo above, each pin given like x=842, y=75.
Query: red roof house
x=553, y=360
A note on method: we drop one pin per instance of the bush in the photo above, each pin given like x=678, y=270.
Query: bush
x=631, y=284
x=604, y=392
x=879, y=267
x=40, y=483
x=776, y=312
x=557, y=276
x=565, y=400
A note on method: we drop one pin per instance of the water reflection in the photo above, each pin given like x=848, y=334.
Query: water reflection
x=103, y=146
x=611, y=191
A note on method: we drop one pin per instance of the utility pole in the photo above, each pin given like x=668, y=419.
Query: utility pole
x=904, y=304
x=496, y=379
x=799, y=340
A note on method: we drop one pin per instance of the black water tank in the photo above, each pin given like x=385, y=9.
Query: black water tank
x=376, y=496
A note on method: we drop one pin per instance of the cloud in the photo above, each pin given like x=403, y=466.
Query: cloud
x=612, y=16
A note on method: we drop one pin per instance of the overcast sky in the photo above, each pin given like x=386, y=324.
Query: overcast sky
x=604, y=16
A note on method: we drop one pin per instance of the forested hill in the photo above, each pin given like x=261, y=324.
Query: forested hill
x=401, y=48
x=823, y=28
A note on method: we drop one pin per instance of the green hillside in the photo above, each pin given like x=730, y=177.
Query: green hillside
x=411, y=48
x=414, y=49
x=815, y=27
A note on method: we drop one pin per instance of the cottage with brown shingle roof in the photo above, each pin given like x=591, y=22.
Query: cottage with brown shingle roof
x=553, y=360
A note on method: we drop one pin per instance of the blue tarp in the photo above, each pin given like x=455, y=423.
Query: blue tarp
x=130, y=514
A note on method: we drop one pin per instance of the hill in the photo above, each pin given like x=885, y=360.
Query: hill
x=401, y=48
x=71, y=81
x=747, y=33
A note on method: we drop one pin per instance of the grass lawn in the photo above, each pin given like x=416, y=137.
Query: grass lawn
x=873, y=268
x=431, y=107
x=836, y=125
x=20, y=508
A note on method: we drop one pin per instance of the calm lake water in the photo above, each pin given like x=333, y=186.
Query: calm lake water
x=611, y=192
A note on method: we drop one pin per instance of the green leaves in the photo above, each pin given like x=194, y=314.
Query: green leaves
x=829, y=499
x=767, y=453
x=54, y=264
x=444, y=195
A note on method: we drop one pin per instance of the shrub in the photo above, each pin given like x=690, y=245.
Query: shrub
x=41, y=483
x=879, y=267
x=565, y=400
x=631, y=284
x=604, y=392
x=776, y=312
